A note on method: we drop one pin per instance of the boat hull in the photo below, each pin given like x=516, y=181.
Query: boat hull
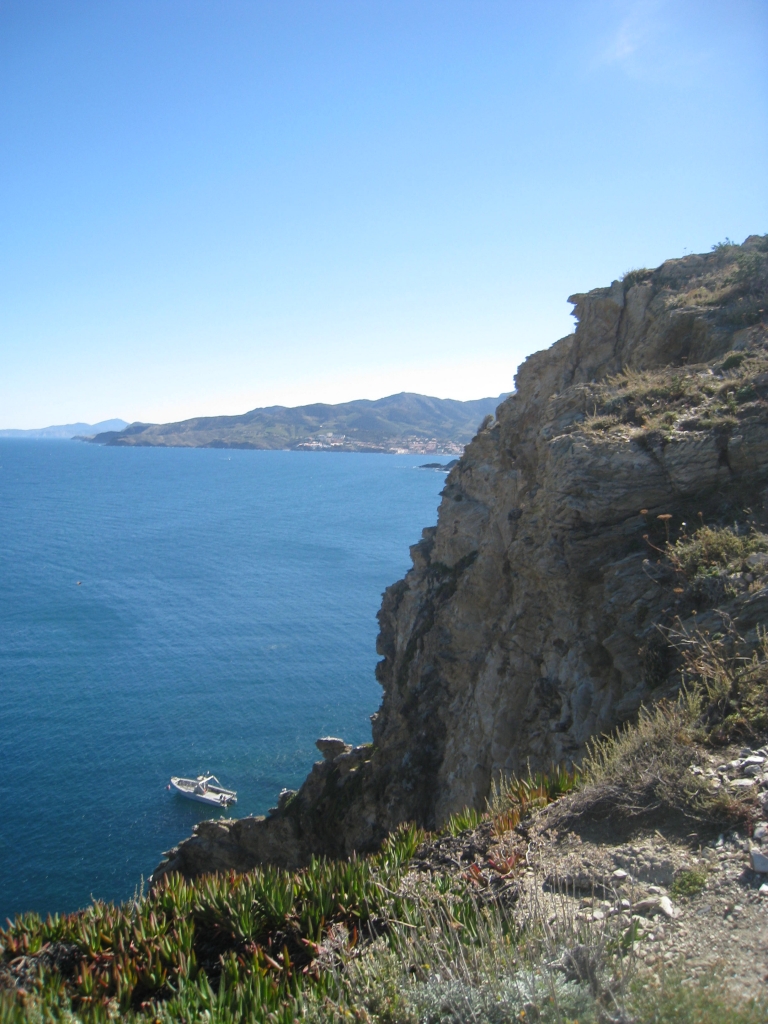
x=213, y=796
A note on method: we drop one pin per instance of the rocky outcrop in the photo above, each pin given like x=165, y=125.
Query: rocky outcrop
x=528, y=621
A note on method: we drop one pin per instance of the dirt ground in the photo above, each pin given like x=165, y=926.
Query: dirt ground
x=673, y=895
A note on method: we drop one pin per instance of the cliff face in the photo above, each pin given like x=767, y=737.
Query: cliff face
x=528, y=621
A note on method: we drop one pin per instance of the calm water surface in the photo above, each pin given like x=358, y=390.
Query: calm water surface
x=174, y=611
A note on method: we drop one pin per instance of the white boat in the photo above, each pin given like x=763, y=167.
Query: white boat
x=205, y=788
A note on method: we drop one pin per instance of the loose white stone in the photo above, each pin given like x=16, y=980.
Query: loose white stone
x=742, y=783
x=758, y=861
x=763, y=890
x=619, y=874
x=761, y=830
x=668, y=909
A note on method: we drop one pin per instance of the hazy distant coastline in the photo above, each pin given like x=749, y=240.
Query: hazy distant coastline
x=66, y=431
x=404, y=423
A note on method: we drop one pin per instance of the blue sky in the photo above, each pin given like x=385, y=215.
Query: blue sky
x=209, y=205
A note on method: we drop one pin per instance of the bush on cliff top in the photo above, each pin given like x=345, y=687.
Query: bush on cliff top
x=715, y=548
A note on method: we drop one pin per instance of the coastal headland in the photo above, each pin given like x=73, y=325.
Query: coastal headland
x=563, y=812
x=400, y=424
x=530, y=621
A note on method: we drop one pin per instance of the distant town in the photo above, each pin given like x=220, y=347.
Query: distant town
x=403, y=424
x=398, y=446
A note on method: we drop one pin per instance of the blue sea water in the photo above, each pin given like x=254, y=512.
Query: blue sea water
x=174, y=611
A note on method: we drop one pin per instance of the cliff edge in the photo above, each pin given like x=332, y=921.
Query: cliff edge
x=529, y=621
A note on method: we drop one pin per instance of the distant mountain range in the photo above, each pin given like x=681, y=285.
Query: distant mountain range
x=67, y=430
x=399, y=423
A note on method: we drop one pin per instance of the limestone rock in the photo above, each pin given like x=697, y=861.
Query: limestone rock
x=330, y=747
x=286, y=795
x=667, y=908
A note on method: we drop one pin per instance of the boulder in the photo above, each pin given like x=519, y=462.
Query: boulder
x=330, y=747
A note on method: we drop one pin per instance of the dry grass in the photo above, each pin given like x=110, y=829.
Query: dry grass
x=700, y=397
x=672, y=998
x=732, y=286
x=640, y=774
x=730, y=682
x=495, y=965
x=491, y=967
x=714, y=548
x=729, y=279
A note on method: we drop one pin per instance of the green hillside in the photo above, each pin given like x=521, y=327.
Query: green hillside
x=400, y=421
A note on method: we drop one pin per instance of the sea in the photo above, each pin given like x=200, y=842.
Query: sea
x=171, y=611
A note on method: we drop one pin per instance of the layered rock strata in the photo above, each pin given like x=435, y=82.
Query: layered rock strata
x=528, y=622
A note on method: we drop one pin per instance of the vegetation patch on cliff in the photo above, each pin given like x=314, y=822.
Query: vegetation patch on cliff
x=232, y=947
x=648, y=774
x=728, y=288
x=717, y=396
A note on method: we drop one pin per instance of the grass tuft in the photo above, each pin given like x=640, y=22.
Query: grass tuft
x=688, y=883
x=714, y=548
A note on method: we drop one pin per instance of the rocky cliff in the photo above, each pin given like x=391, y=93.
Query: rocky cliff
x=528, y=622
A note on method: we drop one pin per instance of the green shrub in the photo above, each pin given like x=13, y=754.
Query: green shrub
x=733, y=361
x=711, y=547
x=688, y=883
